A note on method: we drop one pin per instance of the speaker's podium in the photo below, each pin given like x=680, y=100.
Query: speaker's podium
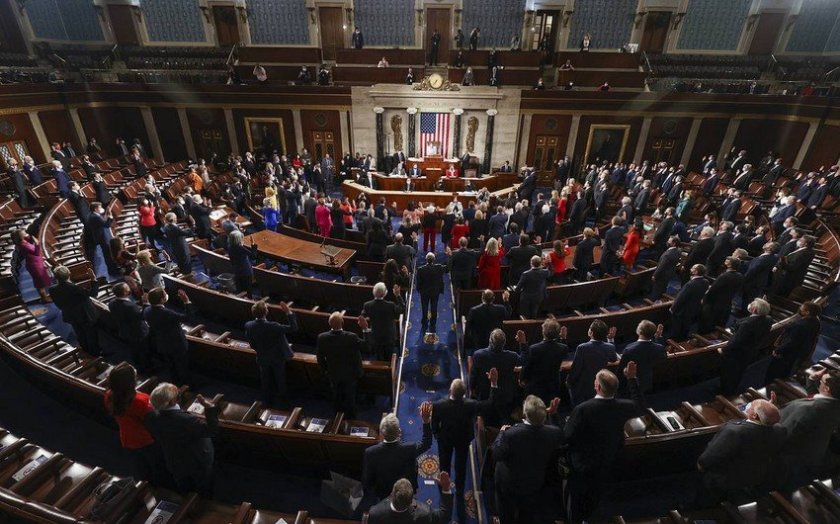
x=433, y=163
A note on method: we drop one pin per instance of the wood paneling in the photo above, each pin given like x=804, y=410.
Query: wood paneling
x=548, y=125
x=332, y=31
x=123, y=24
x=239, y=116
x=767, y=33
x=23, y=131
x=208, y=121
x=586, y=122
x=312, y=121
x=759, y=136
x=438, y=18
x=662, y=128
x=107, y=123
x=227, y=30
x=58, y=127
x=657, y=24
x=171, y=136
x=708, y=140
x=823, y=150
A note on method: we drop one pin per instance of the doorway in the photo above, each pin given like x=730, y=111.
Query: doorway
x=323, y=142
x=546, y=154
x=210, y=141
x=545, y=25
x=766, y=34
x=227, y=30
x=438, y=18
x=122, y=22
x=663, y=150
x=332, y=31
x=655, y=34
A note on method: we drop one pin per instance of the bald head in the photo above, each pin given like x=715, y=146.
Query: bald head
x=764, y=412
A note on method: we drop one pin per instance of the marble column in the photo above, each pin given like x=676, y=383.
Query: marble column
x=187, y=132
x=43, y=143
x=380, y=137
x=231, y=130
x=806, y=145
x=80, y=130
x=456, y=134
x=412, y=131
x=728, y=138
x=691, y=140
x=488, y=142
x=151, y=131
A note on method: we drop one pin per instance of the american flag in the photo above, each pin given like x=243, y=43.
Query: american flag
x=434, y=127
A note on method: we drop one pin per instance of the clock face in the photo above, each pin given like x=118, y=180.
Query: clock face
x=436, y=81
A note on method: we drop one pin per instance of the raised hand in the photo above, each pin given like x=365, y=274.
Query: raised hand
x=506, y=296
x=445, y=482
x=552, y=407
x=183, y=296
x=426, y=412
x=520, y=337
x=493, y=376
x=660, y=330
x=363, y=323
x=630, y=370
x=284, y=307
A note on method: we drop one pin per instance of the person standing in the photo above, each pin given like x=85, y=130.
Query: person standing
x=339, y=356
x=433, y=54
x=590, y=357
x=129, y=408
x=18, y=182
x=383, y=315
x=186, y=439
x=646, y=352
x=541, y=371
x=358, y=39
x=390, y=460
x=685, y=310
x=28, y=251
x=401, y=505
x=495, y=356
x=168, y=334
x=750, y=336
x=532, y=288
x=474, y=38
x=462, y=265
x=796, y=344
x=519, y=258
x=489, y=266
x=268, y=340
x=77, y=309
x=177, y=236
x=430, y=287
x=132, y=327
x=717, y=302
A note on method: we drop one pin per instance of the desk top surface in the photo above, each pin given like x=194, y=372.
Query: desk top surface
x=279, y=246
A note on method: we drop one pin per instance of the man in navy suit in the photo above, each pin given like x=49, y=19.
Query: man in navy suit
x=32, y=171
x=730, y=207
x=666, y=268
x=613, y=241
x=168, y=334
x=709, y=164
x=541, y=371
x=268, y=340
x=585, y=254
x=594, y=433
x=815, y=199
x=506, y=167
x=723, y=248
x=415, y=172
x=645, y=352
x=711, y=183
x=186, y=440
x=98, y=226
x=339, y=355
x=77, y=309
x=717, y=302
x=401, y=506
x=462, y=264
x=590, y=357
x=131, y=326
x=791, y=269
x=390, y=460
x=687, y=304
x=531, y=288
x=523, y=454
x=487, y=316
x=62, y=179
x=783, y=212
x=430, y=287
x=757, y=276
x=528, y=186
x=495, y=356
x=750, y=336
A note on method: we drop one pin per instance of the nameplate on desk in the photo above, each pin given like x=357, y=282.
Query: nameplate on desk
x=317, y=425
x=359, y=432
x=276, y=421
x=162, y=513
x=31, y=466
x=196, y=408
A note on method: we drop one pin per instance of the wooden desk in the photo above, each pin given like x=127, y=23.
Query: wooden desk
x=220, y=213
x=436, y=162
x=427, y=183
x=441, y=199
x=301, y=252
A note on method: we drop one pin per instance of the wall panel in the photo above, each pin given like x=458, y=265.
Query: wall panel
x=58, y=127
x=823, y=150
x=499, y=20
x=171, y=136
x=709, y=139
x=813, y=26
x=666, y=128
x=315, y=120
x=22, y=131
x=173, y=20
x=278, y=22
x=548, y=125
x=107, y=123
x=759, y=136
x=386, y=22
x=713, y=24
x=609, y=23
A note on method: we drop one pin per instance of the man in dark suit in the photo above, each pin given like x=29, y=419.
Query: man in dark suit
x=613, y=242
x=62, y=179
x=640, y=203
x=18, y=182
x=400, y=252
x=739, y=463
x=390, y=460
x=541, y=371
x=401, y=508
x=750, y=336
x=58, y=155
x=519, y=258
x=666, y=268
x=577, y=215
x=685, y=309
x=268, y=340
x=723, y=248
x=453, y=420
x=744, y=178
x=594, y=433
x=466, y=158
x=645, y=352
x=382, y=315
x=201, y=215
x=790, y=271
x=730, y=207
x=773, y=174
x=524, y=453
x=699, y=251
x=717, y=302
x=32, y=171
x=98, y=226
x=663, y=232
x=358, y=39
x=590, y=357
x=462, y=263
x=815, y=199
x=339, y=356
x=711, y=183
x=709, y=163
x=415, y=172
x=757, y=276
x=131, y=326
x=495, y=356
x=811, y=425
x=168, y=334
x=784, y=213
x=506, y=167
x=528, y=186
x=77, y=309
x=186, y=440
x=531, y=287
x=584, y=255
x=430, y=287
x=487, y=316
x=497, y=224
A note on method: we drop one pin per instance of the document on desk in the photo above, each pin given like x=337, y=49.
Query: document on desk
x=162, y=512
x=276, y=421
x=317, y=425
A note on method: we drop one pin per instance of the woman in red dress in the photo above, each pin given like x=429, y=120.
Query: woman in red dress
x=557, y=262
x=460, y=229
x=631, y=246
x=128, y=406
x=490, y=266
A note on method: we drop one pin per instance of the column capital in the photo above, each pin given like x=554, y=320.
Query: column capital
x=458, y=111
x=492, y=112
x=411, y=110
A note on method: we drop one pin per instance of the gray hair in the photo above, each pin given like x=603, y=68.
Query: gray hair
x=497, y=339
x=707, y=232
x=235, y=238
x=760, y=306
x=389, y=427
x=62, y=273
x=171, y=218
x=380, y=290
x=430, y=257
x=164, y=395
x=534, y=410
